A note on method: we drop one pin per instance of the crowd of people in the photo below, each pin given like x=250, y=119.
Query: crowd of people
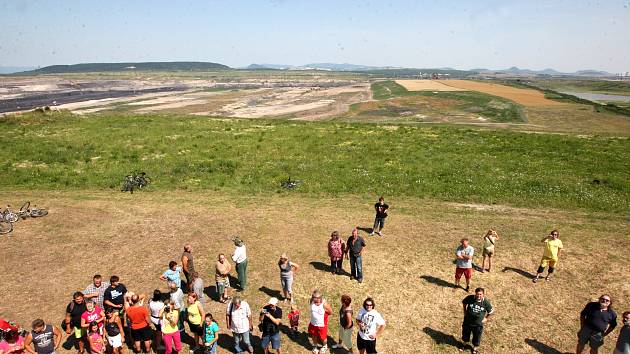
x=107, y=317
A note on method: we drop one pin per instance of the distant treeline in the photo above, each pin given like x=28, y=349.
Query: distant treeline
x=146, y=66
x=405, y=72
x=555, y=95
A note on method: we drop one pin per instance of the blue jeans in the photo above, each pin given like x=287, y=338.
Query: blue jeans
x=241, y=337
x=356, y=267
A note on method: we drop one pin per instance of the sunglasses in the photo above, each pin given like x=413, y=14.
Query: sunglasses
x=371, y=305
x=604, y=300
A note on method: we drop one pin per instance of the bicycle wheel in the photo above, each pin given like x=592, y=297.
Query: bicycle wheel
x=11, y=217
x=5, y=227
x=24, y=207
x=36, y=213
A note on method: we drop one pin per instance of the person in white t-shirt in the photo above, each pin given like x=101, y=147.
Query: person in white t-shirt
x=371, y=326
x=239, y=256
x=238, y=318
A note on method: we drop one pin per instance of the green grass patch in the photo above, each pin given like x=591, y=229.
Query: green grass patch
x=62, y=151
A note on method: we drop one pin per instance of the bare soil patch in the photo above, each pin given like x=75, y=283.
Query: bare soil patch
x=426, y=85
x=409, y=271
x=526, y=97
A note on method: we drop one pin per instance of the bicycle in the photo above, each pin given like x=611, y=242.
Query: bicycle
x=290, y=184
x=134, y=180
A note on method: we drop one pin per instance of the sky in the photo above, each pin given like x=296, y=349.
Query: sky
x=563, y=35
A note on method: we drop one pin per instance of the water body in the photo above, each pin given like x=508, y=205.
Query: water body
x=598, y=96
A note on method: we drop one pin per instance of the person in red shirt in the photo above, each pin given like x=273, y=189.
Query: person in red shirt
x=138, y=316
x=93, y=314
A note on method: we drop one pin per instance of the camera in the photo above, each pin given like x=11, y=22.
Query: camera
x=167, y=308
x=264, y=311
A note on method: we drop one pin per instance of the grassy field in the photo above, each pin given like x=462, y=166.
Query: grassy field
x=491, y=108
x=595, y=86
x=61, y=151
x=409, y=271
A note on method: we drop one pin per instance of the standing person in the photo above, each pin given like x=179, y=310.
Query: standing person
x=318, y=326
x=294, y=320
x=177, y=300
x=354, y=251
x=96, y=290
x=114, y=296
x=155, y=306
x=597, y=320
x=92, y=314
x=114, y=331
x=188, y=266
x=463, y=262
x=336, y=249
x=287, y=269
x=222, y=270
x=44, y=337
x=270, y=319
x=13, y=343
x=196, y=316
x=551, y=255
x=489, y=241
x=211, y=334
x=138, y=317
x=170, y=327
x=346, y=322
x=381, y=213
x=371, y=326
x=95, y=339
x=623, y=342
x=74, y=310
x=477, y=311
x=173, y=274
x=239, y=256
x=238, y=319
x=196, y=286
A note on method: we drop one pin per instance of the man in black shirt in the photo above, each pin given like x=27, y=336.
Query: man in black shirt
x=114, y=296
x=270, y=316
x=597, y=320
x=381, y=214
x=72, y=323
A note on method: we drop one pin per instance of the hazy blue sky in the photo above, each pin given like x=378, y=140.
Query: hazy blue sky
x=565, y=35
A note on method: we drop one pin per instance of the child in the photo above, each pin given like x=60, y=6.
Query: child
x=294, y=320
x=95, y=338
x=210, y=334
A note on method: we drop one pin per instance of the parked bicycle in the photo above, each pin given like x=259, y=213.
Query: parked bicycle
x=290, y=184
x=135, y=180
x=9, y=217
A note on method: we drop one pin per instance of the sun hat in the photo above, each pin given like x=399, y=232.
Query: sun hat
x=273, y=301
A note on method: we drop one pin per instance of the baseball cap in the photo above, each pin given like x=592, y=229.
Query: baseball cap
x=273, y=301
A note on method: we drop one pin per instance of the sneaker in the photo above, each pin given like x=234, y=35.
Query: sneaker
x=535, y=279
x=379, y=233
x=371, y=233
x=360, y=280
x=324, y=349
x=337, y=346
x=315, y=350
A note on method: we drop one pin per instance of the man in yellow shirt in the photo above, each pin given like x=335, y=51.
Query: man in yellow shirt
x=550, y=257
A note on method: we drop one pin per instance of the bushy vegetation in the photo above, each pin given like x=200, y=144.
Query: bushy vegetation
x=61, y=151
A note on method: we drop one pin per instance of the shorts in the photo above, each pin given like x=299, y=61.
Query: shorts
x=196, y=328
x=593, y=338
x=142, y=334
x=488, y=252
x=79, y=332
x=273, y=338
x=548, y=261
x=345, y=334
x=476, y=332
x=368, y=345
x=222, y=285
x=212, y=349
x=318, y=332
x=286, y=283
x=467, y=272
x=115, y=341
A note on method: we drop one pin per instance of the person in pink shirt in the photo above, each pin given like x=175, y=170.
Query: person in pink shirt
x=13, y=343
x=93, y=314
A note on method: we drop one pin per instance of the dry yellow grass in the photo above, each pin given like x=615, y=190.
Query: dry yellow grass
x=426, y=85
x=407, y=271
x=526, y=97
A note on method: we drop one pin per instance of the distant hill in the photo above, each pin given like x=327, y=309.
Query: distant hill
x=14, y=69
x=143, y=66
x=318, y=66
x=527, y=72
